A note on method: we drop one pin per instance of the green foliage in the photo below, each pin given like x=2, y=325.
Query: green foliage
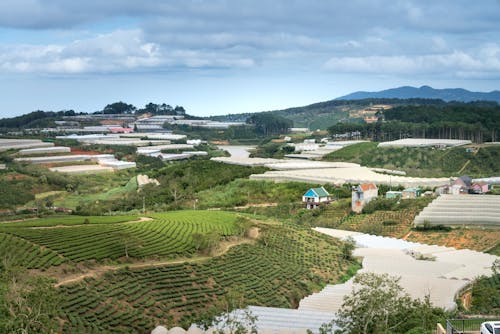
x=35, y=119
x=118, y=108
x=288, y=266
x=28, y=303
x=347, y=248
x=66, y=220
x=180, y=183
x=377, y=305
x=423, y=162
x=28, y=254
x=474, y=121
x=242, y=191
x=486, y=295
x=13, y=193
x=268, y=124
x=244, y=134
x=169, y=235
x=272, y=150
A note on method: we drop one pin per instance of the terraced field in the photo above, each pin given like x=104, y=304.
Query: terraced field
x=168, y=235
x=286, y=264
x=27, y=254
x=387, y=223
x=69, y=220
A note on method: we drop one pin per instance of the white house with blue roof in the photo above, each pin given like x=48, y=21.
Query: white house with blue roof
x=314, y=197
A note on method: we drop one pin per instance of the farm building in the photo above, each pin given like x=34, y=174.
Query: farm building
x=314, y=197
x=363, y=194
x=480, y=188
x=411, y=193
x=393, y=194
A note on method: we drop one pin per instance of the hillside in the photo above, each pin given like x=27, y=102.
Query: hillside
x=426, y=92
x=423, y=162
x=166, y=279
x=321, y=115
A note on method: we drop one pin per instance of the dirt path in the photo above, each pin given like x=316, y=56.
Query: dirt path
x=466, y=300
x=406, y=236
x=99, y=271
x=257, y=205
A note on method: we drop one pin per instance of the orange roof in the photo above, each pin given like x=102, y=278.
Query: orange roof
x=368, y=186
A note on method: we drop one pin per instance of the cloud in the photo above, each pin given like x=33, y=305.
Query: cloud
x=380, y=36
x=483, y=62
x=119, y=51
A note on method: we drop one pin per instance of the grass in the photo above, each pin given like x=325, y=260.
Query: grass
x=286, y=264
x=495, y=250
x=72, y=200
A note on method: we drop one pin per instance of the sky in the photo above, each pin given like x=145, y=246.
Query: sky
x=231, y=56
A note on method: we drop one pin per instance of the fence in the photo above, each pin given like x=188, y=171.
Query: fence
x=465, y=326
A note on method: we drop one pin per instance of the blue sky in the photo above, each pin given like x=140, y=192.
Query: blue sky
x=222, y=56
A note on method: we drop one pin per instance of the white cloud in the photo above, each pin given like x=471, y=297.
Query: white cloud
x=119, y=51
x=485, y=61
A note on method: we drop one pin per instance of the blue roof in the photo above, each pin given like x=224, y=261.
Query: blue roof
x=317, y=192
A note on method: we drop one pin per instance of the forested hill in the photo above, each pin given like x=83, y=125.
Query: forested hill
x=426, y=92
x=321, y=115
x=475, y=121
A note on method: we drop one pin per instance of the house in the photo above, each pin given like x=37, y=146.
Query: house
x=479, y=188
x=411, y=193
x=461, y=185
x=393, y=194
x=314, y=197
x=363, y=194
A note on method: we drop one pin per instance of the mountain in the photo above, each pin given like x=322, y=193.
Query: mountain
x=426, y=92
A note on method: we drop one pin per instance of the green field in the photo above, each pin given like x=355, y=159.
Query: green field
x=286, y=264
x=167, y=235
x=27, y=254
x=423, y=162
x=69, y=220
x=72, y=200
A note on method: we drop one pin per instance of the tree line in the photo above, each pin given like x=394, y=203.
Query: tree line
x=478, y=122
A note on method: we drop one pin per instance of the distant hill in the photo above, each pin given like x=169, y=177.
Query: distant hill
x=322, y=115
x=426, y=92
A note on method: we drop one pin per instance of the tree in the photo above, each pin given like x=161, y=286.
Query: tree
x=347, y=248
x=118, y=108
x=236, y=317
x=376, y=305
x=267, y=124
x=128, y=240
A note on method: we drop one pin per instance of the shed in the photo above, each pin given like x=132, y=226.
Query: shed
x=316, y=196
x=393, y=194
x=480, y=188
x=411, y=193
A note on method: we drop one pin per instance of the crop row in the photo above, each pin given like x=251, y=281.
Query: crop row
x=285, y=265
x=167, y=235
x=66, y=220
x=27, y=254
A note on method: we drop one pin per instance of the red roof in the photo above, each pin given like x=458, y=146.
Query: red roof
x=368, y=186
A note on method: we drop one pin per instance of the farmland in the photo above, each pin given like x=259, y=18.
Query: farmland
x=167, y=235
x=286, y=264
